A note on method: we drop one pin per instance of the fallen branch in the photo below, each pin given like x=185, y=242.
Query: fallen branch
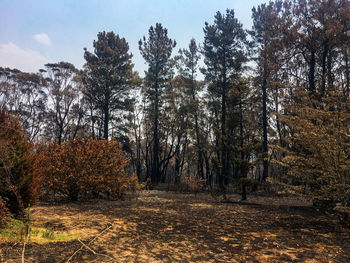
x=94, y=252
x=23, y=250
x=84, y=245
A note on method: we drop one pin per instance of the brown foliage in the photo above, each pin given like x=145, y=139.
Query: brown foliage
x=82, y=169
x=317, y=158
x=4, y=213
x=15, y=165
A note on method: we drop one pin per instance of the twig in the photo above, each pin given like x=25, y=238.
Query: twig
x=100, y=234
x=23, y=250
x=84, y=245
x=94, y=252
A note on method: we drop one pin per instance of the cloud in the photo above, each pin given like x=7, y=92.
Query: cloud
x=28, y=60
x=42, y=38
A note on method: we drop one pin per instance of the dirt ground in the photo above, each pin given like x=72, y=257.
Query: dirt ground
x=169, y=227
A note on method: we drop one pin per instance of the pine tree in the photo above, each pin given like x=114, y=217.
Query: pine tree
x=156, y=50
x=189, y=67
x=108, y=79
x=224, y=56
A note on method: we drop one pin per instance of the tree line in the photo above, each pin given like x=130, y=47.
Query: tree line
x=274, y=101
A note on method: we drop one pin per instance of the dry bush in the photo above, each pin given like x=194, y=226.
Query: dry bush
x=15, y=165
x=83, y=169
x=190, y=184
x=317, y=155
x=5, y=214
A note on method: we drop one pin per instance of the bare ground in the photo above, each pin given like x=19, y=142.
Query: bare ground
x=168, y=227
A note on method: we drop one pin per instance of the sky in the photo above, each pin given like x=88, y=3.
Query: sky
x=36, y=32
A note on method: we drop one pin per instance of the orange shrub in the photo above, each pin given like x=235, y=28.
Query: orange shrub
x=82, y=169
x=15, y=165
x=4, y=213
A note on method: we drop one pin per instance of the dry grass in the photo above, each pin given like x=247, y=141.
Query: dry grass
x=169, y=227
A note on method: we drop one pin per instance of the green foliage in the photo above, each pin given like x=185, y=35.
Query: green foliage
x=108, y=80
x=223, y=49
x=156, y=51
x=17, y=231
x=48, y=234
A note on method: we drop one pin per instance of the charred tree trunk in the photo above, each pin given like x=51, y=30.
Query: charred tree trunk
x=265, y=125
x=155, y=175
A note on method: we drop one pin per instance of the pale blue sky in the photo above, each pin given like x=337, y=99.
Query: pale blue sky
x=34, y=32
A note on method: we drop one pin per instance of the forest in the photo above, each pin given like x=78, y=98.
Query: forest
x=246, y=112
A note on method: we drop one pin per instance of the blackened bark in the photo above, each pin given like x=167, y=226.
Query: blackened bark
x=105, y=122
x=155, y=175
x=312, y=85
x=199, y=143
x=265, y=142
x=324, y=69
x=223, y=174
x=347, y=73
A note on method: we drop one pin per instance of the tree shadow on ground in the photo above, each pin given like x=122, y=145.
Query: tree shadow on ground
x=168, y=227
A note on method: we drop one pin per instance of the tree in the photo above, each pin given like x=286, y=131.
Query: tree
x=317, y=155
x=189, y=62
x=64, y=91
x=224, y=56
x=108, y=77
x=268, y=46
x=22, y=94
x=156, y=50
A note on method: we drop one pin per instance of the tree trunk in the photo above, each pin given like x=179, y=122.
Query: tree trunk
x=223, y=173
x=105, y=122
x=265, y=142
x=155, y=176
x=312, y=85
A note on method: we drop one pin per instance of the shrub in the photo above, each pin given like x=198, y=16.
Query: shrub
x=190, y=184
x=15, y=165
x=4, y=214
x=317, y=156
x=82, y=169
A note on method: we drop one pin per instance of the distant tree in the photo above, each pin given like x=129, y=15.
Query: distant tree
x=189, y=59
x=268, y=53
x=108, y=80
x=224, y=55
x=156, y=50
x=22, y=94
x=64, y=87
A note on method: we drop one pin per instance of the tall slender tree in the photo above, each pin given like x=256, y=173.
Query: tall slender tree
x=156, y=50
x=266, y=35
x=189, y=59
x=224, y=56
